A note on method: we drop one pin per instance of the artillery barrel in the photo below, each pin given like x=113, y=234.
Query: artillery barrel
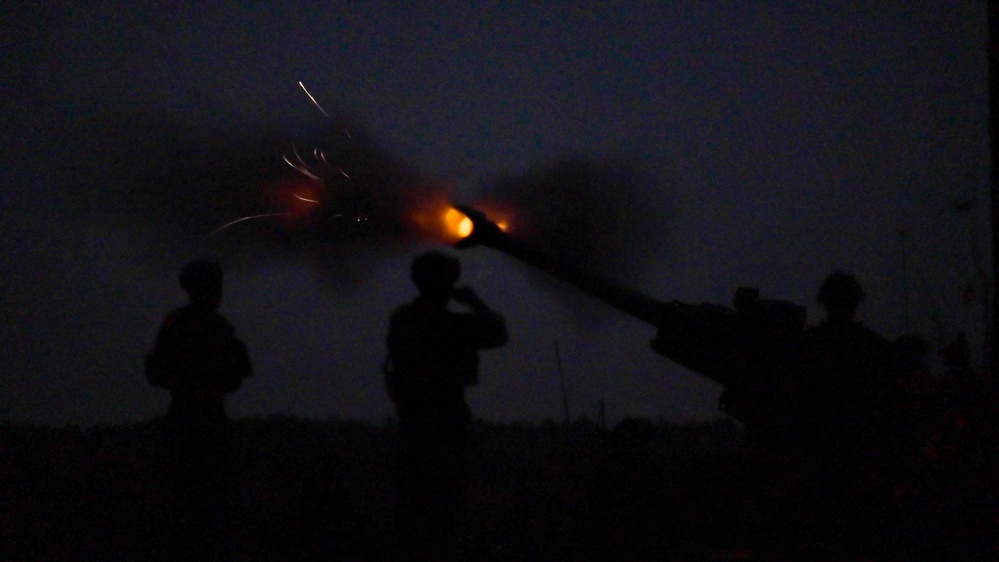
x=702, y=337
x=626, y=299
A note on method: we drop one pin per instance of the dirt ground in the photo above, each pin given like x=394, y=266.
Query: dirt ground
x=305, y=490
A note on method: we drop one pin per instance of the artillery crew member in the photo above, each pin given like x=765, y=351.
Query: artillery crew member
x=848, y=363
x=433, y=352
x=198, y=358
x=432, y=357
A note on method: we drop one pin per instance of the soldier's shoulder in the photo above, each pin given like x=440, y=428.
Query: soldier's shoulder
x=871, y=336
x=403, y=315
x=177, y=316
x=402, y=310
x=413, y=309
x=815, y=332
x=195, y=318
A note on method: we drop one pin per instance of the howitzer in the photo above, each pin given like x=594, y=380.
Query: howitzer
x=750, y=348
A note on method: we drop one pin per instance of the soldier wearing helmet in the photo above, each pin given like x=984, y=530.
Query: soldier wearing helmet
x=198, y=358
x=847, y=371
x=433, y=351
x=840, y=295
x=432, y=357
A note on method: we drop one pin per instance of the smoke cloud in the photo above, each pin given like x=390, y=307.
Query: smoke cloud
x=239, y=190
x=589, y=212
x=326, y=193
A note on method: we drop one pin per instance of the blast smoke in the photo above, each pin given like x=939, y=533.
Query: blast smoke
x=326, y=193
x=238, y=190
x=585, y=211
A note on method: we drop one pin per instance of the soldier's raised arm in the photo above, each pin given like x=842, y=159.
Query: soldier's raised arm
x=487, y=327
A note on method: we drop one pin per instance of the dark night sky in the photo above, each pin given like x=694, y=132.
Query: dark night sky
x=776, y=142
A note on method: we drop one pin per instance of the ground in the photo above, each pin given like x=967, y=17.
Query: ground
x=307, y=490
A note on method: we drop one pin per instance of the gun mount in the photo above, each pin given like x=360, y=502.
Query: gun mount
x=749, y=348
x=846, y=411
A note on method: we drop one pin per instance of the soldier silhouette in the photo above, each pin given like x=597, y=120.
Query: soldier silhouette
x=198, y=358
x=847, y=392
x=432, y=357
x=848, y=362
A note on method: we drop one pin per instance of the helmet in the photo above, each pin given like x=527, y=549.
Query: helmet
x=841, y=293
x=435, y=272
x=201, y=277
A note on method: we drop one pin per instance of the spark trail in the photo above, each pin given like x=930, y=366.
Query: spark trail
x=250, y=217
x=304, y=89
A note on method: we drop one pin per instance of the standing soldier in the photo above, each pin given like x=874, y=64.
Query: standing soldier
x=432, y=357
x=850, y=366
x=847, y=422
x=198, y=358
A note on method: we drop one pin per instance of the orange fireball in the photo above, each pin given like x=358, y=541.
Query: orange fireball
x=457, y=223
x=441, y=222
